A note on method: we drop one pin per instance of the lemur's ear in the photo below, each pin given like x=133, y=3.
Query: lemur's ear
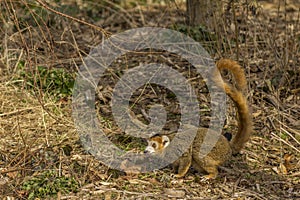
x=165, y=140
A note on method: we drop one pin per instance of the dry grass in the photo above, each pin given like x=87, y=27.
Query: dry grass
x=37, y=134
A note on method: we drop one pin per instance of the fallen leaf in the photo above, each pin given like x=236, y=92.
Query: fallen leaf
x=256, y=114
x=287, y=158
x=12, y=174
x=282, y=169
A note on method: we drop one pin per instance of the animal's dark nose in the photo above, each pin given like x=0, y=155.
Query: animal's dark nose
x=146, y=151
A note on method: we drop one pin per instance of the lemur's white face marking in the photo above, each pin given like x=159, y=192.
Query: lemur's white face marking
x=157, y=144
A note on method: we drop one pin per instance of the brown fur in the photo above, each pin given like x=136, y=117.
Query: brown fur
x=223, y=149
x=236, y=94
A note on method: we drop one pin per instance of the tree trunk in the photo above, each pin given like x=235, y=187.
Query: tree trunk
x=203, y=12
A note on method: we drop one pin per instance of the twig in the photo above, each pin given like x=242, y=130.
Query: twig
x=16, y=112
x=285, y=142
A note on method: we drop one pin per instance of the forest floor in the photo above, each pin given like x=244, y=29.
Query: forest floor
x=41, y=154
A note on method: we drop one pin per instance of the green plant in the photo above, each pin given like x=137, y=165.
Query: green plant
x=49, y=184
x=56, y=82
x=127, y=142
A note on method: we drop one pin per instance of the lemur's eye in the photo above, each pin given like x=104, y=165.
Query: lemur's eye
x=154, y=145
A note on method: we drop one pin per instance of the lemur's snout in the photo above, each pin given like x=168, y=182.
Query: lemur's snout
x=149, y=149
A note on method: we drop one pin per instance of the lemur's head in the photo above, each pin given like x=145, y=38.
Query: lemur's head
x=157, y=143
